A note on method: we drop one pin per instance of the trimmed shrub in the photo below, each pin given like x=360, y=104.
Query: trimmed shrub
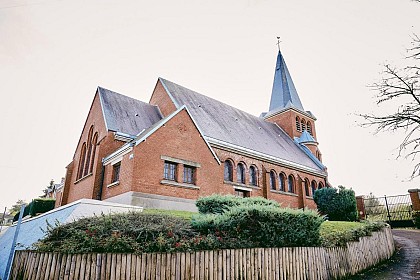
x=218, y=204
x=37, y=206
x=129, y=232
x=41, y=205
x=331, y=237
x=25, y=213
x=261, y=226
x=416, y=218
x=338, y=205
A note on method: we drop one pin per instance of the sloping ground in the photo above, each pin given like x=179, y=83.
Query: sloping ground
x=33, y=229
x=405, y=264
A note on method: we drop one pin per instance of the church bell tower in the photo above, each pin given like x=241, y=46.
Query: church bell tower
x=286, y=109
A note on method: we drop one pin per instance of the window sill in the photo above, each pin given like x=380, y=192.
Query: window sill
x=84, y=177
x=113, y=184
x=309, y=197
x=285, y=193
x=241, y=185
x=179, y=185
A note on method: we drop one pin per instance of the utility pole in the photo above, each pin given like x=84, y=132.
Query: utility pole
x=12, y=249
x=2, y=219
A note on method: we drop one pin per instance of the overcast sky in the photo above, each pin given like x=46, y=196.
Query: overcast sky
x=53, y=55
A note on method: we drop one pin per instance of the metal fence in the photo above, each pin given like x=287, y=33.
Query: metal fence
x=396, y=210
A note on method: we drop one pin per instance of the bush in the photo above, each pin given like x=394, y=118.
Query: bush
x=416, y=218
x=129, y=233
x=261, y=226
x=37, y=206
x=218, y=204
x=41, y=205
x=338, y=205
x=333, y=234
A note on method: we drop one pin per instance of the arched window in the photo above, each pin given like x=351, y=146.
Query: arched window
x=290, y=184
x=297, y=124
x=240, y=173
x=307, y=193
x=272, y=180
x=89, y=152
x=309, y=127
x=313, y=187
x=282, y=182
x=302, y=125
x=94, y=143
x=228, y=171
x=253, y=175
x=320, y=185
x=81, y=161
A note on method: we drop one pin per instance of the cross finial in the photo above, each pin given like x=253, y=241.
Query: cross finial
x=278, y=42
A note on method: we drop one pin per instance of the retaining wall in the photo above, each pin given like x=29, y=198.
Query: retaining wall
x=257, y=263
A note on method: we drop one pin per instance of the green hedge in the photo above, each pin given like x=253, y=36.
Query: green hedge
x=416, y=218
x=37, y=206
x=218, y=204
x=337, y=204
x=261, y=226
x=129, y=233
x=41, y=205
x=333, y=235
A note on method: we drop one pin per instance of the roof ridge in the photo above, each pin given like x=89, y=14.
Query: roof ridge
x=217, y=101
x=126, y=96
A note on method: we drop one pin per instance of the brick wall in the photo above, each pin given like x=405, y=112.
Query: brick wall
x=161, y=98
x=287, y=121
x=142, y=168
x=415, y=198
x=294, y=200
x=89, y=186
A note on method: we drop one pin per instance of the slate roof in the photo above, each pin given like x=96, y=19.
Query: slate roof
x=305, y=137
x=284, y=94
x=125, y=114
x=228, y=124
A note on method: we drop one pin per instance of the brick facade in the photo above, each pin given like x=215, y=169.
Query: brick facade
x=179, y=141
x=415, y=198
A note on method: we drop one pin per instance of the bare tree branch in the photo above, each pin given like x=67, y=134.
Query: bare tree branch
x=403, y=87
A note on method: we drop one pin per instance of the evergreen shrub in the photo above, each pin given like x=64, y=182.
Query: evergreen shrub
x=261, y=226
x=416, y=218
x=37, y=206
x=337, y=204
x=41, y=205
x=129, y=232
x=330, y=237
x=218, y=204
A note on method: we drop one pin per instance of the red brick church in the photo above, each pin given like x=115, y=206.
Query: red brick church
x=183, y=145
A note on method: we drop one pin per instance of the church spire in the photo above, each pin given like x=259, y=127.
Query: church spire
x=284, y=94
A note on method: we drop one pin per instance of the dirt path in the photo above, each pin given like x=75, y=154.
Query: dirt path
x=404, y=265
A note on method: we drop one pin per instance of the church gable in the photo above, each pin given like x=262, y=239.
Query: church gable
x=125, y=114
x=174, y=143
x=162, y=98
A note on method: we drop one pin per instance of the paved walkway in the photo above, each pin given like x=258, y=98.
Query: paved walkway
x=405, y=265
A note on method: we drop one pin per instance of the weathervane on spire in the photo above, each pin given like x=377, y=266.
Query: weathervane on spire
x=278, y=42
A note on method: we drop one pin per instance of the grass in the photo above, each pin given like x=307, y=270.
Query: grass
x=182, y=214
x=338, y=233
x=332, y=227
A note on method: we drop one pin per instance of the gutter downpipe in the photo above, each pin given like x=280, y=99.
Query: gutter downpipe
x=101, y=184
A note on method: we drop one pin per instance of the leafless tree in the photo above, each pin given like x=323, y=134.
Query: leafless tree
x=402, y=86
